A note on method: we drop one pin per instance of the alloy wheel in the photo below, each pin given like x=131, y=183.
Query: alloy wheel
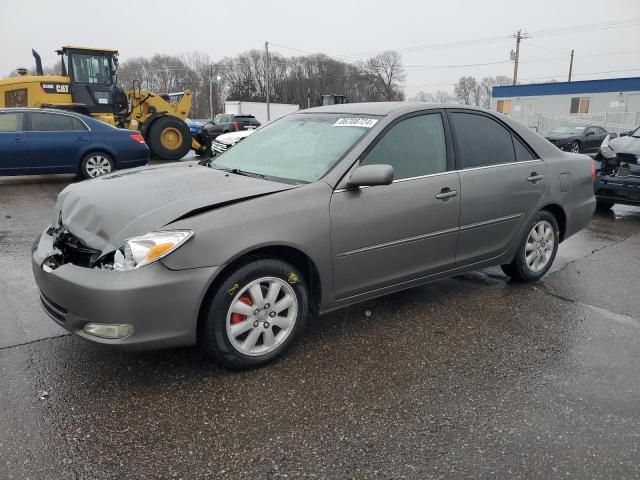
x=98, y=165
x=261, y=316
x=539, y=246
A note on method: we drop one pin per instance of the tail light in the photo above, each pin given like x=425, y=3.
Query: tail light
x=236, y=126
x=137, y=137
x=593, y=172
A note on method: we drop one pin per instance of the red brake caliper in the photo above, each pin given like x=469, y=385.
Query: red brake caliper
x=238, y=317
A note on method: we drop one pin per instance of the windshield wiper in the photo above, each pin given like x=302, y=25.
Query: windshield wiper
x=236, y=171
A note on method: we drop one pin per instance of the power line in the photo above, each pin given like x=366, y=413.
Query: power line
x=489, y=40
x=586, y=28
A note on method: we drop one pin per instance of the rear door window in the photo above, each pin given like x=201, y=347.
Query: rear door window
x=11, y=122
x=51, y=122
x=480, y=141
x=413, y=147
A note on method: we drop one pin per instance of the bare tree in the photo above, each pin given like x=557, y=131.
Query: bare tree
x=443, y=97
x=465, y=90
x=486, y=88
x=423, y=97
x=300, y=80
x=386, y=73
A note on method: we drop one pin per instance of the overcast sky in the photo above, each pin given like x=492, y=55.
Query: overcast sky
x=343, y=29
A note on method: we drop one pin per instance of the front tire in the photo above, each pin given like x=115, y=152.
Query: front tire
x=169, y=138
x=537, y=250
x=255, y=314
x=95, y=164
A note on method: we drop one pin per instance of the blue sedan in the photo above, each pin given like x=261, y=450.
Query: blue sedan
x=42, y=141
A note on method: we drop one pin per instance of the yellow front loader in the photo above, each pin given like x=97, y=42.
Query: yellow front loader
x=88, y=84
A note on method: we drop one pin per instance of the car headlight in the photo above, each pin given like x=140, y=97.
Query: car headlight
x=607, y=152
x=140, y=251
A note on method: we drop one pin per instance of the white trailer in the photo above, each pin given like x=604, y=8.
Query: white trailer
x=259, y=109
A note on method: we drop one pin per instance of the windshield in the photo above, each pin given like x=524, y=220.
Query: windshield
x=635, y=133
x=92, y=68
x=298, y=148
x=568, y=129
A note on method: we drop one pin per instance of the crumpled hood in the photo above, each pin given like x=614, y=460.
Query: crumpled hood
x=105, y=211
x=626, y=144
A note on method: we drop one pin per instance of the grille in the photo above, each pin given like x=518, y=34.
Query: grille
x=73, y=250
x=628, y=158
x=56, y=311
x=219, y=147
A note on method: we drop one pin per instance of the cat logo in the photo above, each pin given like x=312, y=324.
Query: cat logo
x=61, y=88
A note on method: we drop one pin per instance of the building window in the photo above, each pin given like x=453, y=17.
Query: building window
x=579, y=105
x=504, y=106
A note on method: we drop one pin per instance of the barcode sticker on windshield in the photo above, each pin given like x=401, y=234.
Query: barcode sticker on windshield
x=355, y=122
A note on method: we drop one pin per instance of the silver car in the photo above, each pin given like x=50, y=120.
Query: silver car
x=316, y=211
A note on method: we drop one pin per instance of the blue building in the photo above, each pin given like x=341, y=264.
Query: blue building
x=613, y=102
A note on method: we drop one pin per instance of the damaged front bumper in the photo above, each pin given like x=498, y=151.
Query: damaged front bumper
x=618, y=179
x=160, y=305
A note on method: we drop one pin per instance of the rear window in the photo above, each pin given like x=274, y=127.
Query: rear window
x=522, y=152
x=481, y=141
x=51, y=122
x=11, y=122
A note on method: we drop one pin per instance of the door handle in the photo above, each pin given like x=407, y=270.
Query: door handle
x=446, y=193
x=81, y=139
x=534, y=177
x=18, y=140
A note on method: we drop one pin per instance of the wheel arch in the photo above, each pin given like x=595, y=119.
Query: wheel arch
x=98, y=148
x=561, y=217
x=287, y=253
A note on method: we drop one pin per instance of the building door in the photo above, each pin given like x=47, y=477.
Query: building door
x=504, y=106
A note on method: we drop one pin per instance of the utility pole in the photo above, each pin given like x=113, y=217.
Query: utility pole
x=210, y=91
x=266, y=52
x=518, y=36
x=571, y=66
x=308, y=97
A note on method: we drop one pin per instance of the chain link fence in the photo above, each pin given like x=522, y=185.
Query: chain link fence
x=611, y=121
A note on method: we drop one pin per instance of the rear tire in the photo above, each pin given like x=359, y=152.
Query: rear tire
x=537, y=249
x=96, y=164
x=169, y=138
x=575, y=147
x=265, y=328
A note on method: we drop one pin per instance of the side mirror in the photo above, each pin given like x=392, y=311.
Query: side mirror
x=371, y=175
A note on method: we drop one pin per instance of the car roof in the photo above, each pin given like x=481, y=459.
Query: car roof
x=387, y=108
x=370, y=108
x=46, y=110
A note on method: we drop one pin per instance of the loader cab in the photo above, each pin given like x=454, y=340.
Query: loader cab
x=332, y=99
x=93, y=79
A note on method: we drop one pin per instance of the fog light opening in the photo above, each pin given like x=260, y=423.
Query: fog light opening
x=108, y=330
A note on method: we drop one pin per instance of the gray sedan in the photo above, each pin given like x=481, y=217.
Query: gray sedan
x=315, y=211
